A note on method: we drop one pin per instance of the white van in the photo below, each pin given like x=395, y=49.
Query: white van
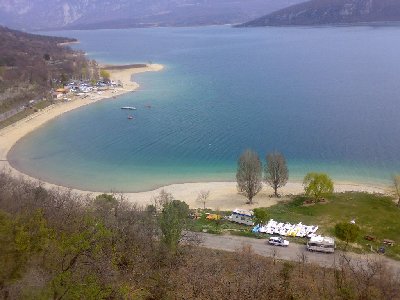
x=321, y=244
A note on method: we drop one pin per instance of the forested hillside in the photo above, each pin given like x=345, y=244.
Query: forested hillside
x=319, y=12
x=58, y=245
x=31, y=64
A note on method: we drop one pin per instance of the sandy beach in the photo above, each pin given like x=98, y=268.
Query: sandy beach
x=223, y=195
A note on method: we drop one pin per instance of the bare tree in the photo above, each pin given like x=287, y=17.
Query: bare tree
x=249, y=174
x=276, y=171
x=162, y=199
x=396, y=183
x=202, y=197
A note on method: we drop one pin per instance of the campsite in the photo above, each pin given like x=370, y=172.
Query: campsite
x=375, y=214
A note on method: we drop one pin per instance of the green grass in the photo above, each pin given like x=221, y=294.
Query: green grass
x=23, y=114
x=216, y=227
x=376, y=215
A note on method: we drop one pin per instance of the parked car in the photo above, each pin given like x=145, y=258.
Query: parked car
x=278, y=241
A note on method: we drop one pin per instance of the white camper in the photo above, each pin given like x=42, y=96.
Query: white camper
x=242, y=216
x=321, y=244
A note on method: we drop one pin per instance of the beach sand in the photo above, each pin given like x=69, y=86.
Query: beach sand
x=223, y=195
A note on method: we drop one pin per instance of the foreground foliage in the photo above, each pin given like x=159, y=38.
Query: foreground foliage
x=57, y=245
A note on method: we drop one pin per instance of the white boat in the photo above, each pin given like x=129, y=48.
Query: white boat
x=129, y=107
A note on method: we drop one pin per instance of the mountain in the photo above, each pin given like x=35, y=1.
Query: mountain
x=81, y=14
x=320, y=12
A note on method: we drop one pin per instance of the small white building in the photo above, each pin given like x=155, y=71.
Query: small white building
x=242, y=216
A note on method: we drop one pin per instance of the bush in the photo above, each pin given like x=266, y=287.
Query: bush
x=347, y=232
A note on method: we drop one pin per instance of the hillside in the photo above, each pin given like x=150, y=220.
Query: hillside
x=42, y=14
x=320, y=12
x=31, y=64
x=55, y=244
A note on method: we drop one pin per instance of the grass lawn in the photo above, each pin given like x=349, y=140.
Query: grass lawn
x=376, y=215
x=219, y=226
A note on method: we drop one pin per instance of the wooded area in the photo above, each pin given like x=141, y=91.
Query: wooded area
x=56, y=244
x=30, y=65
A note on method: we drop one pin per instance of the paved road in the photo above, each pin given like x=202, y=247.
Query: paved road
x=295, y=252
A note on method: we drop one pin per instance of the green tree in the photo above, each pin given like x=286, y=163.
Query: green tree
x=276, y=171
x=249, y=174
x=173, y=222
x=347, y=232
x=318, y=185
x=260, y=216
x=105, y=74
x=21, y=237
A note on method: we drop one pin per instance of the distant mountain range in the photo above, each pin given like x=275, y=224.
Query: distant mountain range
x=320, y=12
x=93, y=14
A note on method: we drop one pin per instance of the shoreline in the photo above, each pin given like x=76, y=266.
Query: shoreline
x=223, y=195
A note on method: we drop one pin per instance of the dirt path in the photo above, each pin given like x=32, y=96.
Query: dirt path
x=295, y=252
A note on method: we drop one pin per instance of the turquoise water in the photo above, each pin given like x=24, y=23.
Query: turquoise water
x=328, y=98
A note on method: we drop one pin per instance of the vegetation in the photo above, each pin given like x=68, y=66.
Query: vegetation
x=105, y=74
x=318, y=185
x=260, y=216
x=376, y=215
x=172, y=222
x=31, y=65
x=249, y=174
x=347, y=232
x=58, y=245
x=319, y=12
x=24, y=113
x=276, y=171
x=202, y=197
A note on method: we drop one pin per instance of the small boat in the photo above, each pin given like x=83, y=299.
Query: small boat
x=130, y=117
x=148, y=106
x=128, y=107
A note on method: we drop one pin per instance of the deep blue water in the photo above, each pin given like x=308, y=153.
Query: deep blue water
x=328, y=98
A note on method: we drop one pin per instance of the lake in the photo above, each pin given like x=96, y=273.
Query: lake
x=328, y=98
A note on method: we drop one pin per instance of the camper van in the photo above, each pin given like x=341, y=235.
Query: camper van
x=321, y=244
x=242, y=216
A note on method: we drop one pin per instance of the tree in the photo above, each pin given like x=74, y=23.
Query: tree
x=202, y=197
x=105, y=74
x=260, y=216
x=396, y=182
x=162, y=199
x=276, y=171
x=317, y=185
x=347, y=232
x=172, y=222
x=249, y=174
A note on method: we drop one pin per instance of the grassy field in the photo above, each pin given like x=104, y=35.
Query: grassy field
x=377, y=216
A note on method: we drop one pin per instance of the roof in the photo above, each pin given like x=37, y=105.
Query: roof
x=243, y=212
x=322, y=239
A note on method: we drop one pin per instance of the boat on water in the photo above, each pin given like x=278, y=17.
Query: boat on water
x=128, y=107
x=130, y=117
